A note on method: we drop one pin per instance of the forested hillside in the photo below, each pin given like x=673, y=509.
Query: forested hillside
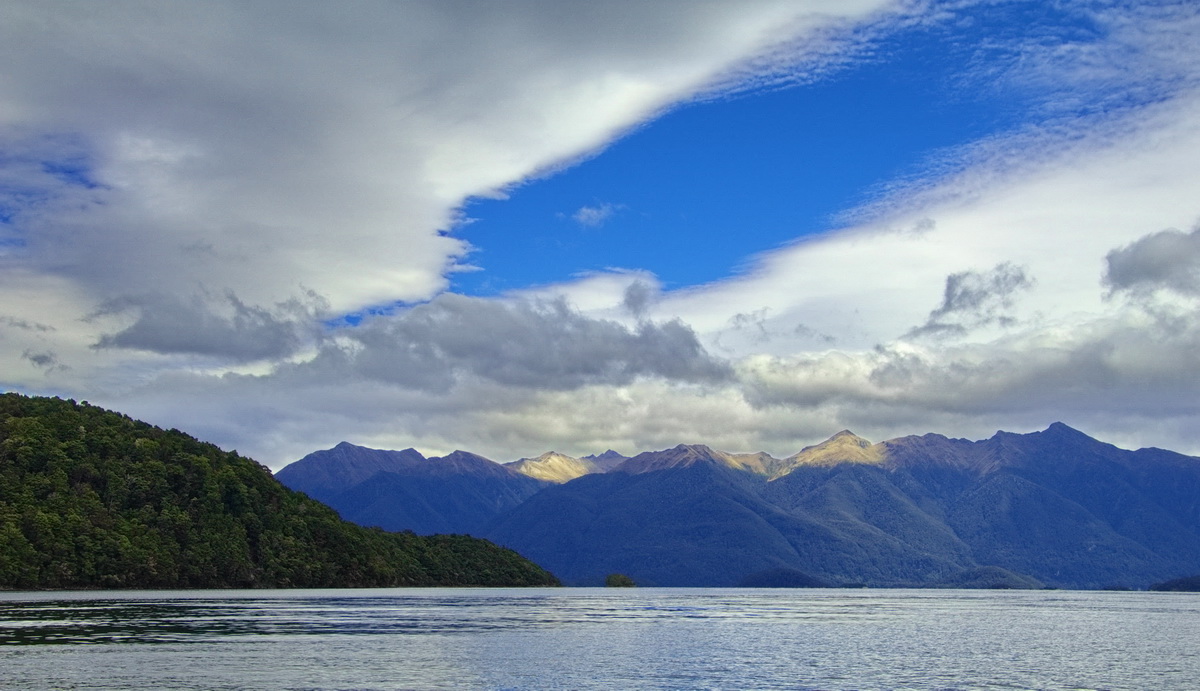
x=93, y=499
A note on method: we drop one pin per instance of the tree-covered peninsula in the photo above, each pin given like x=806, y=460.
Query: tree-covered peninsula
x=93, y=499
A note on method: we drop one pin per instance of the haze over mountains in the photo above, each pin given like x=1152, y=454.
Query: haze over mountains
x=1053, y=508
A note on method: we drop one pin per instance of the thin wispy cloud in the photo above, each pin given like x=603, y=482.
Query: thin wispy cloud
x=595, y=216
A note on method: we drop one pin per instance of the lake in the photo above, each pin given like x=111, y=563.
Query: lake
x=580, y=638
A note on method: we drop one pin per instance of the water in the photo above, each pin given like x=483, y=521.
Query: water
x=602, y=639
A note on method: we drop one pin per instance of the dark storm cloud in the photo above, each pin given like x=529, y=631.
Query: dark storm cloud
x=1167, y=259
x=975, y=298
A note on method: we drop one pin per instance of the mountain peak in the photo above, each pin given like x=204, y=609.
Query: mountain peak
x=1062, y=429
x=323, y=473
x=553, y=467
x=460, y=462
x=846, y=436
x=843, y=447
x=680, y=456
x=606, y=461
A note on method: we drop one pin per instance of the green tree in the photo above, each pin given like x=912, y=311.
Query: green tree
x=93, y=499
x=618, y=580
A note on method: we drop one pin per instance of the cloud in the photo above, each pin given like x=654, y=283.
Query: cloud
x=638, y=297
x=46, y=360
x=973, y=299
x=457, y=372
x=1168, y=259
x=25, y=325
x=521, y=343
x=322, y=147
x=1115, y=373
x=179, y=183
x=203, y=325
x=595, y=216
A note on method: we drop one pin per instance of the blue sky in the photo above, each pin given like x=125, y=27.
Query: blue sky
x=526, y=226
x=693, y=194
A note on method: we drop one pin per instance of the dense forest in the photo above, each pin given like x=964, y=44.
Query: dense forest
x=93, y=499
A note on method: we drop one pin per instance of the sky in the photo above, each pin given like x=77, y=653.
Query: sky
x=527, y=226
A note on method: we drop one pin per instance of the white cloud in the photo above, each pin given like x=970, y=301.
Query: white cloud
x=1066, y=211
x=270, y=150
x=595, y=216
x=267, y=148
x=189, y=187
x=229, y=166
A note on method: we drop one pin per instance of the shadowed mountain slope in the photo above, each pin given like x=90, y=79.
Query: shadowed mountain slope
x=687, y=518
x=324, y=474
x=402, y=490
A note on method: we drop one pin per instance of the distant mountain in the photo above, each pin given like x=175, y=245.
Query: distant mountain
x=555, y=467
x=689, y=516
x=606, y=461
x=92, y=499
x=687, y=455
x=1053, y=508
x=843, y=447
x=402, y=490
x=324, y=474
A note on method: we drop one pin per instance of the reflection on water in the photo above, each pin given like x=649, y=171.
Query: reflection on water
x=585, y=638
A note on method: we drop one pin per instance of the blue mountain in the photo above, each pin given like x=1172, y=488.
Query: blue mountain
x=1055, y=508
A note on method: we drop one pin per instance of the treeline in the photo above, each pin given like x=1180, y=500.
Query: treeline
x=93, y=499
x=1187, y=584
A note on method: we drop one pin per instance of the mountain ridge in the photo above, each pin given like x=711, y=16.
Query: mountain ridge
x=1054, y=507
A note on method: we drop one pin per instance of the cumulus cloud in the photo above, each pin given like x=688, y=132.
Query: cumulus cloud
x=522, y=343
x=1105, y=371
x=1168, y=259
x=638, y=297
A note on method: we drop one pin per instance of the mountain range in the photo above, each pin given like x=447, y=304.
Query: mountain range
x=1054, y=508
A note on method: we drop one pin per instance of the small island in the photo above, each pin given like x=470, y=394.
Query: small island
x=618, y=580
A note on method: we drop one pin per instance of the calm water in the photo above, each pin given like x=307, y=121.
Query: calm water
x=585, y=638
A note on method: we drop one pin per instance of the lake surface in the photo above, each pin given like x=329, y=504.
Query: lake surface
x=579, y=638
